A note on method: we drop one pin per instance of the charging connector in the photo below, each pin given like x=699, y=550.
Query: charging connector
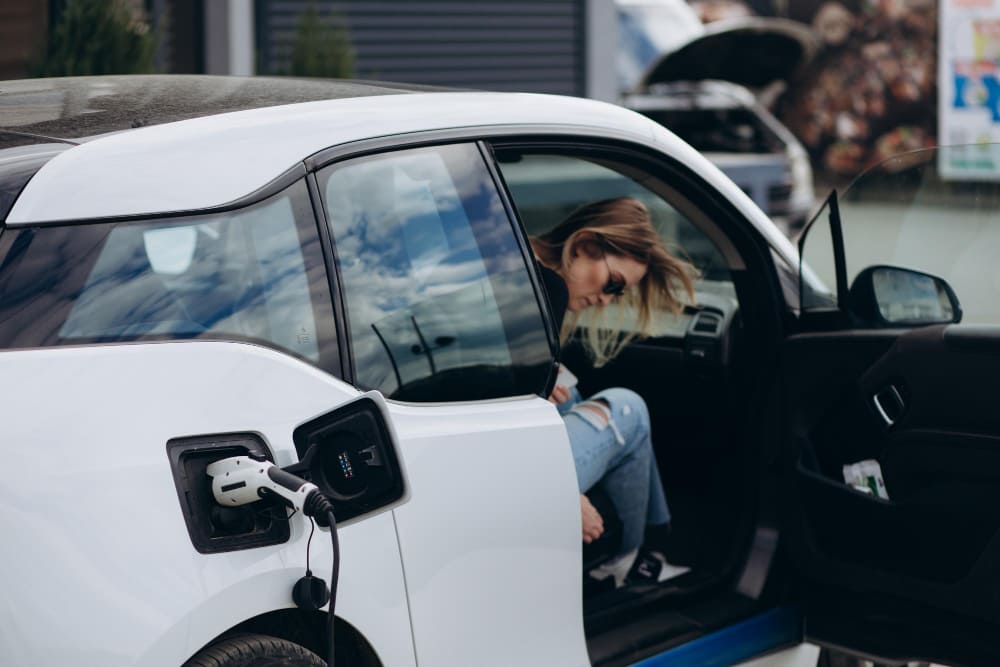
x=240, y=480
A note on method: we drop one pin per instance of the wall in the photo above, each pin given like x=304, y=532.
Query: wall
x=23, y=26
x=525, y=45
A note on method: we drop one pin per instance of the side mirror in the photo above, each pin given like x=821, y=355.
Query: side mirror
x=888, y=296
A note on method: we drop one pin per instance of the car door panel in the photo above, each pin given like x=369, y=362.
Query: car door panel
x=932, y=542
x=443, y=319
x=492, y=531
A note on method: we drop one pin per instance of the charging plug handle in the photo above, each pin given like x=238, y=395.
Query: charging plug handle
x=240, y=480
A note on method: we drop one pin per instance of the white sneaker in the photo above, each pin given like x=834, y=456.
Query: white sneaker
x=617, y=567
x=653, y=567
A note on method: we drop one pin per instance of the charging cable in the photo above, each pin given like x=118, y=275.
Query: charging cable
x=240, y=480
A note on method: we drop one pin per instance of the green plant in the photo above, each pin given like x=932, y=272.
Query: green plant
x=98, y=37
x=322, y=47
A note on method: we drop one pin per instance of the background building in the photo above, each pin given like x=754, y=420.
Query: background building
x=881, y=52
x=23, y=27
x=552, y=46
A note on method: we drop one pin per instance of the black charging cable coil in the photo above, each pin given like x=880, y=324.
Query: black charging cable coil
x=310, y=589
x=242, y=480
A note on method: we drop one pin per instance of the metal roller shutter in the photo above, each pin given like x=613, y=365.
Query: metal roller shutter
x=526, y=45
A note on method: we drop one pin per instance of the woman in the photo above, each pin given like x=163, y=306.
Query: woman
x=605, y=251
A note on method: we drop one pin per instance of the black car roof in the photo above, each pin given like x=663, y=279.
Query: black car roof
x=41, y=117
x=78, y=107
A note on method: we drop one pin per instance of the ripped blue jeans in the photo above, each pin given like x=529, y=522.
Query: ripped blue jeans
x=617, y=455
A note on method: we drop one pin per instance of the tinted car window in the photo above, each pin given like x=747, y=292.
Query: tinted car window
x=439, y=301
x=255, y=274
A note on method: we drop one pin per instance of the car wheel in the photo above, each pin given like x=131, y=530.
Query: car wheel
x=255, y=651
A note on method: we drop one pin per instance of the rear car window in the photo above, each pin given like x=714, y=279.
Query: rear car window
x=255, y=274
x=439, y=300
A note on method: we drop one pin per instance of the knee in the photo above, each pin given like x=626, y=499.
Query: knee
x=628, y=409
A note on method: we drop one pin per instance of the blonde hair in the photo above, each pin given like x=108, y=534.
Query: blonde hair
x=620, y=226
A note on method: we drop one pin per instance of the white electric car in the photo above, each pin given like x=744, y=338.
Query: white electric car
x=334, y=276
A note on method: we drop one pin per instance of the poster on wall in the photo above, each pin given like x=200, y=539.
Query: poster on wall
x=969, y=89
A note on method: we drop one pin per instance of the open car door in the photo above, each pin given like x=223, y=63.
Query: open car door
x=891, y=418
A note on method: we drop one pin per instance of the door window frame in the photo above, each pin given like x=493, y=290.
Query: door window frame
x=387, y=146
x=750, y=246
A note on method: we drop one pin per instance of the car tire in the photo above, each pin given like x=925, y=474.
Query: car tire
x=255, y=651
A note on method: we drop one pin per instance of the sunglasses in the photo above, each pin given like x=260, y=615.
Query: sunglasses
x=614, y=286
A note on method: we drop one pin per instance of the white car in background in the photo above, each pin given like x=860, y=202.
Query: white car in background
x=711, y=85
x=335, y=277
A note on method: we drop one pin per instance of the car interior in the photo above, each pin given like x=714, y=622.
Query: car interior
x=695, y=374
x=753, y=430
x=900, y=385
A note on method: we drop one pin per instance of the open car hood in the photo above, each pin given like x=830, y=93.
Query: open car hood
x=751, y=52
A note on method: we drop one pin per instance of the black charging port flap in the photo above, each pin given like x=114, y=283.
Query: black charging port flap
x=212, y=527
x=349, y=455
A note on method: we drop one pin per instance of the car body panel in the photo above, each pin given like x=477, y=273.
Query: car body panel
x=114, y=399
x=163, y=617
x=149, y=170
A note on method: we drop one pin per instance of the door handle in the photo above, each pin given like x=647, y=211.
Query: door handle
x=889, y=405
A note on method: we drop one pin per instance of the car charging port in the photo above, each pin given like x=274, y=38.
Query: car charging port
x=214, y=528
x=349, y=454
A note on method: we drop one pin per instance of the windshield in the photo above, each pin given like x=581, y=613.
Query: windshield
x=935, y=210
x=648, y=30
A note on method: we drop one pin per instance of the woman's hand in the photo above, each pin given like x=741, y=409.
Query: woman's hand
x=593, y=524
x=559, y=395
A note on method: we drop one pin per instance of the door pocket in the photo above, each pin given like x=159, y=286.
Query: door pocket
x=943, y=511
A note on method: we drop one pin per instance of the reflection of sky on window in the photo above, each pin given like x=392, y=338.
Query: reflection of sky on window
x=423, y=247
x=408, y=255
x=461, y=327
x=284, y=295
x=244, y=275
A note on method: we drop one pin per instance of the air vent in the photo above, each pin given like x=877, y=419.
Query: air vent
x=707, y=323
